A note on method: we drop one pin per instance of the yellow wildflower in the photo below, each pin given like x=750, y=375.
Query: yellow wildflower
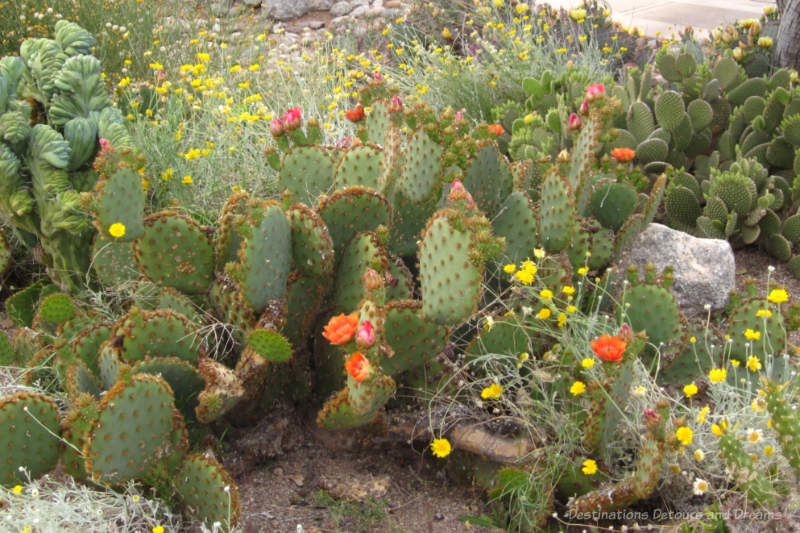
x=753, y=364
x=577, y=388
x=717, y=374
x=546, y=294
x=778, y=296
x=764, y=312
x=752, y=335
x=587, y=362
x=701, y=416
x=510, y=268
x=589, y=467
x=684, y=435
x=187, y=180
x=690, y=390
x=491, y=392
x=441, y=448
x=544, y=313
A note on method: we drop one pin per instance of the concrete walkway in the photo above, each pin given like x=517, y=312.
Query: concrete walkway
x=667, y=16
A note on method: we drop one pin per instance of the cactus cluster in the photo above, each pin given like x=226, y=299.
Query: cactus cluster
x=54, y=109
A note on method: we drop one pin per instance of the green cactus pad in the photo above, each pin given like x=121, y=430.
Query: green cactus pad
x=556, y=213
x=8, y=355
x=228, y=240
x=408, y=221
x=402, y=285
x=79, y=380
x=682, y=207
x=29, y=425
x=413, y=339
x=270, y=345
x=359, y=165
x=162, y=333
x=266, y=257
x=56, y=308
x=21, y=306
x=778, y=247
x=771, y=329
x=668, y=66
x=640, y=121
x=625, y=139
x=516, y=222
x=701, y=114
x=120, y=200
x=175, y=251
x=113, y=261
x=791, y=129
x=338, y=413
x=350, y=211
x=207, y=490
x=312, y=247
x=85, y=345
x=488, y=178
x=109, y=366
x=422, y=167
x=132, y=431
x=651, y=150
x=791, y=228
x=77, y=423
x=738, y=192
x=306, y=172
x=727, y=72
x=304, y=296
x=780, y=153
x=612, y=203
x=449, y=278
x=183, y=378
x=653, y=309
x=669, y=110
x=149, y=296
x=364, y=251
x=751, y=87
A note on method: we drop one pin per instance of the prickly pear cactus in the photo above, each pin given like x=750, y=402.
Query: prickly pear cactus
x=175, y=251
x=208, y=491
x=29, y=430
x=132, y=431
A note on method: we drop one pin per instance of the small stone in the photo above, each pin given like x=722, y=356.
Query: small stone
x=389, y=13
x=285, y=9
x=252, y=3
x=360, y=10
x=315, y=24
x=355, y=3
x=320, y=5
x=340, y=9
x=278, y=471
x=374, y=12
x=704, y=269
x=393, y=4
x=377, y=4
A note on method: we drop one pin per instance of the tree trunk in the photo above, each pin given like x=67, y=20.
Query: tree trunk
x=787, y=47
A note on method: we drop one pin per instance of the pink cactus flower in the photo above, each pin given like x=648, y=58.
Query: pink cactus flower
x=595, y=90
x=457, y=191
x=276, y=127
x=397, y=104
x=293, y=118
x=365, y=336
x=584, y=109
x=625, y=333
x=574, y=122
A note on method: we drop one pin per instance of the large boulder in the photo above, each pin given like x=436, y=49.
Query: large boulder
x=704, y=269
x=285, y=9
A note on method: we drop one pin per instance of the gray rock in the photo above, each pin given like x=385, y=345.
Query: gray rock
x=339, y=9
x=320, y=5
x=355, y=3
x=285, y=9
x=314, y=24
x=704, y=269
x=391, y=13
x=252, y=3
x=360, y=10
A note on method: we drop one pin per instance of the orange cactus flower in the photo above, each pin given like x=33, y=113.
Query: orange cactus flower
x=358, y=366
x=341, y=328
x=355, y=115
x=608, y=348
x=497, y=129
x=623, y=155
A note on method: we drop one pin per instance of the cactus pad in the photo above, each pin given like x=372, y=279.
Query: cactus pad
x=132, y=430
x=113, y=261
x=312, y=247
x=120, y=199
x=270, y=345
x=669, y=110
x=612, y=203
x=772, y=339
x=208, y=490
x=364, y=251
x=306, y=172
x=450, y=280
x=175, y=251
x=350, y=211
x=422, y=167
x=413, y=339
x=183, y=379
x=24, y=440
x=556, y=213
x=56, y=308
x=488, y=178
x=162, y=333
x=359, y=165
x=516, y=222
